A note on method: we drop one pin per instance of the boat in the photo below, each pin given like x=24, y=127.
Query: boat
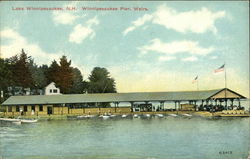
x=188, y=115
x=19, y=121
x=124, y=116
x=112, y=115
x=136, y=116
x=9, y=119
x=147, y=115
x=173, y=115
x=85, y=116
x=160, y=115
x=80, y=116
x=89, y=116
x=105, y=116
x=28, y=120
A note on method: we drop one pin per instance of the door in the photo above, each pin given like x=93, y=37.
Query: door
x=49, y=110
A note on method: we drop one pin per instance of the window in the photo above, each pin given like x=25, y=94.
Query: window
x=50, y=90
x=40, y=108
x=33, y=108
x=9, y=109
x=25, y=109
x=17, y=109
x=54, y=90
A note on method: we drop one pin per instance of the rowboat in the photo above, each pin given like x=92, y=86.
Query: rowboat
x=89, y=116
x=85, y=116
x=9, y=119
x=16, y=121
x=105, y=116
x=147, y=115
x=28, y=121
x=160, y=115
x=135, y=116
x=124, y=116
x=188, y=115
x=80, y=116
x=112, y=115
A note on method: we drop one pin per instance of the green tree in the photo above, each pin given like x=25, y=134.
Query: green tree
x=78, y=85
x=52, y=72
x=65, y=75
x=45, y=70
x=5, y=74
x=5, y=78
x=11, y=62
x=21, y=71
x=101, y=82
x=38, y=75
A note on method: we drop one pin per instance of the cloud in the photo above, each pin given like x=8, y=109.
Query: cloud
x=93, y=21
x=15, y=42
x=66, y=17
x=190, y=59
x=166, y=58
x=214, y=57
x=60, y=17
x=137, y=23
x=81, y=32
x=196, y=21
x=175, y=47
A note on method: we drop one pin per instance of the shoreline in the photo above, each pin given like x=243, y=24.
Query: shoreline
x=67, y=116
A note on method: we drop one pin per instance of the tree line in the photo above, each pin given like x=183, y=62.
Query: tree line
x=21, y=71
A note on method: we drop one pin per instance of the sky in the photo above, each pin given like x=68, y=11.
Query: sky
x=162, y=46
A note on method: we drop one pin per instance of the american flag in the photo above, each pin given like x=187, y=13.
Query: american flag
x=195, y=79
x=220, y=69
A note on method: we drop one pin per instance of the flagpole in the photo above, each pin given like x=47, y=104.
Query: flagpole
x=197, y=84
x=225, y=84
x=225, y=76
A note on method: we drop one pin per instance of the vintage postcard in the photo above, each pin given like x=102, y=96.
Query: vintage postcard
x=124, y=80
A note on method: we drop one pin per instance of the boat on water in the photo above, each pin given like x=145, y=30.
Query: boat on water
x=112, y=115
x=85, y=116
x=9, y=119
x=28, y=120
x=160, y=115
x=136, y=116
x=147, y=115
x=80, y=116
x=187, y=115
x=89, y=116
x=124, y=116
x=105, y=116
x=16, y=121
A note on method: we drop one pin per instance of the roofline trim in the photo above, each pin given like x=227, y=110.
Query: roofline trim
x=228, y=90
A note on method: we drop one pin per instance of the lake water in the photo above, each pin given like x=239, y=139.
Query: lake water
x=155, y=138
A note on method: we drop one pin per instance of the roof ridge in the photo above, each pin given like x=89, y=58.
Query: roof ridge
x=119, y=93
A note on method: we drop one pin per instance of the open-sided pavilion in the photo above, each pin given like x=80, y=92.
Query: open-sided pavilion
x=223, y=96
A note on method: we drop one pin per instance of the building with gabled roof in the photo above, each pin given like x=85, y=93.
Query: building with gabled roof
x=69, y=101
x=51, y=89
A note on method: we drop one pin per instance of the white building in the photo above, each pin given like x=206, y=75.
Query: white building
x=51, y=89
